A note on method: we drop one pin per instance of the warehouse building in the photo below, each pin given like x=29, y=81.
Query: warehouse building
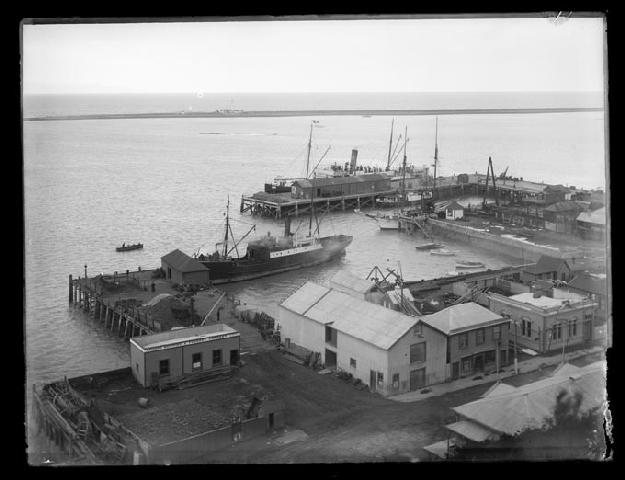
x=170, y=355
x=385, y=349
x=339, y=186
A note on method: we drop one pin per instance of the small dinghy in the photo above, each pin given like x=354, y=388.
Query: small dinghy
x=442, y=252
x=428, y=246
x=466, y=264
x=125, y=248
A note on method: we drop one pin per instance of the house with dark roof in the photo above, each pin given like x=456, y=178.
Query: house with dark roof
x=562, y=216
x=476, y=339
x=181, y=268
x=548, y=268
x=592, y=224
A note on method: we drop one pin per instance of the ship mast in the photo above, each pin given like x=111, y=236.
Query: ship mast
x=309, y=147
x=312, y=204
x=390, y=144
x=435, y=154
x=227, y=227
x=403, y=180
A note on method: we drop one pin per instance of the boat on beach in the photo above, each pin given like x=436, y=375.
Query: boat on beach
x=428, y=246
x=125, y=248
x=464, y=264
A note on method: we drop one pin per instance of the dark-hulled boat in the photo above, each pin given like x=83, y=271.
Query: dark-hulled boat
x=126, y=248
x=270, y=255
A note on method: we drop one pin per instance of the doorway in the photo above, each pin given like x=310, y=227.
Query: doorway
x=330, y=359
x=588, y=330
x=234, y=357
x=417, y=379
x=478, y=363
x=372, y=380
x=455, y=370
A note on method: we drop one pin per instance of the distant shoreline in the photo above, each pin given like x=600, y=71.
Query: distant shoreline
x=312, y=113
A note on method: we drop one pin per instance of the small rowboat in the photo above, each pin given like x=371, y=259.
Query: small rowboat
x=465, y=264
x=428, y=246
x=125, y=248
x=442, y=252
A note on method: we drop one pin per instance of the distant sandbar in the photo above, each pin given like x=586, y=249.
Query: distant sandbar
x=313, y=113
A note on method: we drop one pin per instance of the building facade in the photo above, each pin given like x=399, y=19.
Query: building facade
x=545, y=324
x=174, y=354
x=183, y=269
x=548, y=268
x=340, y=186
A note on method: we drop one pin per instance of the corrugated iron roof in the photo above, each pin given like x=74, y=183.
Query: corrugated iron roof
x=366, y=321
x=462, y=317
x=533, y=406
x=349, y=280
x=472, y=431
x=454, y=206
x=182, y=335
x=183, y=262
x=597, y=217
x=543, y=301
x=588, y=283
x=305, y=297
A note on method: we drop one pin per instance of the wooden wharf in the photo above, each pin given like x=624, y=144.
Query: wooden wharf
x=126, y=321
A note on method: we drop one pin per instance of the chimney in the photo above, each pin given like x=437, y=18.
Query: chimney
x=352, y=166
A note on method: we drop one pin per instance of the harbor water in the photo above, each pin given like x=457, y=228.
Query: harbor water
x=91, y=185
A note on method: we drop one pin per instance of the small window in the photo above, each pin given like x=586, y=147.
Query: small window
x=497, y=332
x=418, y=329
x=490, y=356
x=463, y=340
x=573, y=327
x=556, y=331
x=163, y=367
x=380, y=378
x=479, y=336
x=396, y=380
x=216, y=357
x=352, y=362
x=196, y=361
x=417, y=352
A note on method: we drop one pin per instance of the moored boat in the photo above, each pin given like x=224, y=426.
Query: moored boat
x=467, y=264
x=428, y=246
x=125, y=248
x=442, y=252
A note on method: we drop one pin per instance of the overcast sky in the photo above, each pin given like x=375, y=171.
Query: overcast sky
x=414, y=55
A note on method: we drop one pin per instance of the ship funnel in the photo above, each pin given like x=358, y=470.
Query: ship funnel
x=352, y=166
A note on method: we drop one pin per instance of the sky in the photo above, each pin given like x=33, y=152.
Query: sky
x=401, y=55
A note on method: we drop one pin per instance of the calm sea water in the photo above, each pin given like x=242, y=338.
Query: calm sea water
x=91, y=185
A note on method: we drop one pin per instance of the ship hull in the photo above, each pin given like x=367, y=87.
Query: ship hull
x=238, y=270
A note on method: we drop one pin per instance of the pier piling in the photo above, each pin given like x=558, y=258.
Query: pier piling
x=71, y=289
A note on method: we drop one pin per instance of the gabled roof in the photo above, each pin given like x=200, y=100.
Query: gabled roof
x=454, y=206
x=566, y=206
x=461, y=318
x=597, y=217
x=183, y=262
x=589, y=283
x=371, y=323
x=324, y=182
x=346, y=279
x=532, y=406
x=557, y=188
x=546, y=264
x=305, y=297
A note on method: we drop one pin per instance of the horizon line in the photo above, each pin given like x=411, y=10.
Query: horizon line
x=196, y=92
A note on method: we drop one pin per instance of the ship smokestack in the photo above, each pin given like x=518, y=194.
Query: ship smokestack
x=352, y=166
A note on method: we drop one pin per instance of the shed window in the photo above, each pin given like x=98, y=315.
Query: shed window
x=573, y=327
x=352, y=362
x=163, y=367
x=497, y=332
x=196, y=361
x=380, y=378
x=463, y=340
x=417, y=352
x=556, y=331
x=216, y=357
x=396, y=380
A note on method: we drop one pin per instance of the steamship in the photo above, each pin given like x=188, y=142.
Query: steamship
x=270, y=255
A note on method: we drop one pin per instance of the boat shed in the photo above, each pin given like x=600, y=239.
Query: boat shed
x=454, y=211
x=351, y=284
x=339, y=186
x=181, y=268
x=174, y=354
x=378, y=346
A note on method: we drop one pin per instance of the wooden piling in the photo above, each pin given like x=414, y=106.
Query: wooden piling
x=71, y=289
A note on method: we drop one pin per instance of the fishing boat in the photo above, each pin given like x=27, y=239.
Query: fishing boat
x=428, y=246
x=442, y=252
x=466, y=264
x=388, y=222
x=125, y=248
